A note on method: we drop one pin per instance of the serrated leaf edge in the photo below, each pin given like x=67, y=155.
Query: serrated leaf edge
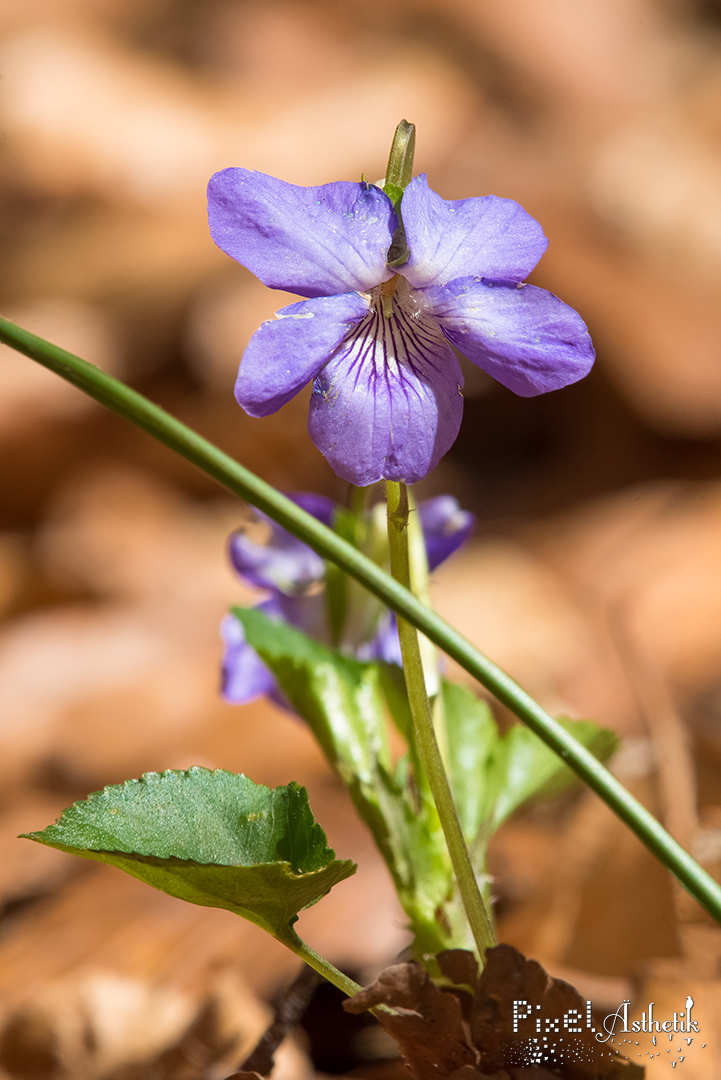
x=37, y=836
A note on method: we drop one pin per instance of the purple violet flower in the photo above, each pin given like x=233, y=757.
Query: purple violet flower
x=387, y=388
x=294, y=576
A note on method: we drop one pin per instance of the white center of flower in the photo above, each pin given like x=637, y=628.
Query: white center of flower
x=397, y=338
x=393, y=294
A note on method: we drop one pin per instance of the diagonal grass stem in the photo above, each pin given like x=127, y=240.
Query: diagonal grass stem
x=132, y=406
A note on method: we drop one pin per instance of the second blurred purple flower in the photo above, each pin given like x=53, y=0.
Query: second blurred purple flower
x=294, y=577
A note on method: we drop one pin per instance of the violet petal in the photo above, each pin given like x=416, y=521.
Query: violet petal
x=244, y=675
x=284, y=563
x=480, y=237
x=523, y=336
x=288, y=351
x=445, y=527
x=386, y=645
x=314, y=241
x=389, y=403
x=306, y=613
x=320, y=506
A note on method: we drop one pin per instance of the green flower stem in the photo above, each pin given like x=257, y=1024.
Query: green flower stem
x=319, y=964
x=478, y=919
x=138, y=410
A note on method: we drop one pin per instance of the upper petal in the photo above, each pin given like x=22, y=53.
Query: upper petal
x=445, y=527
x=289, y=351
x=479, y=237
x=314, y=241
x=389, y=403
x=524, y=337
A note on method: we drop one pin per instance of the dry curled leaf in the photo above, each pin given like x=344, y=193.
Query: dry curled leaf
x=466, y=1029
x=427, y=1023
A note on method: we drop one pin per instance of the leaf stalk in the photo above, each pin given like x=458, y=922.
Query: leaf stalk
x=319, y=963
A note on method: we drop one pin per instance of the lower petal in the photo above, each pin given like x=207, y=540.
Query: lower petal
x=288, y=351
x=525, y=337
x=388, y=405
x=306, y=613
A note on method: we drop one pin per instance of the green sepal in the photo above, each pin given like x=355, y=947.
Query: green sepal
x=346, y=524
x=398, y=176
x=393, y=682
x=400, y=162
x=209, y=837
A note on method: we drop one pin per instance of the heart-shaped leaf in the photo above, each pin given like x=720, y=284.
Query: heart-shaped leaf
x=209, y=837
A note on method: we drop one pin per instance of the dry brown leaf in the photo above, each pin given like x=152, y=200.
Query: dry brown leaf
x=451, y=1033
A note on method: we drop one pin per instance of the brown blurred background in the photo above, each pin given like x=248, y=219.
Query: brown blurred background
x=595, y=576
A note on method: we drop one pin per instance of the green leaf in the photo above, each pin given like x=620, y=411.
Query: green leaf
x=472, y=736
x=209, y=837
x=346, y=524
x=341, y=700
x=338, y=696
x=393, y=683
x=522, y=767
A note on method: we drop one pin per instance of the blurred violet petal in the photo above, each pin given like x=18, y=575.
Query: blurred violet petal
x=244, y=675
x=287, y=567
x=284, y=563
x=290, y=350
x=385, y=645
x=388, y=403
x=478, y=237
x=314, y=241
x=306, y=613
x=525, y=337
x=319, y=506
x=445, y=527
